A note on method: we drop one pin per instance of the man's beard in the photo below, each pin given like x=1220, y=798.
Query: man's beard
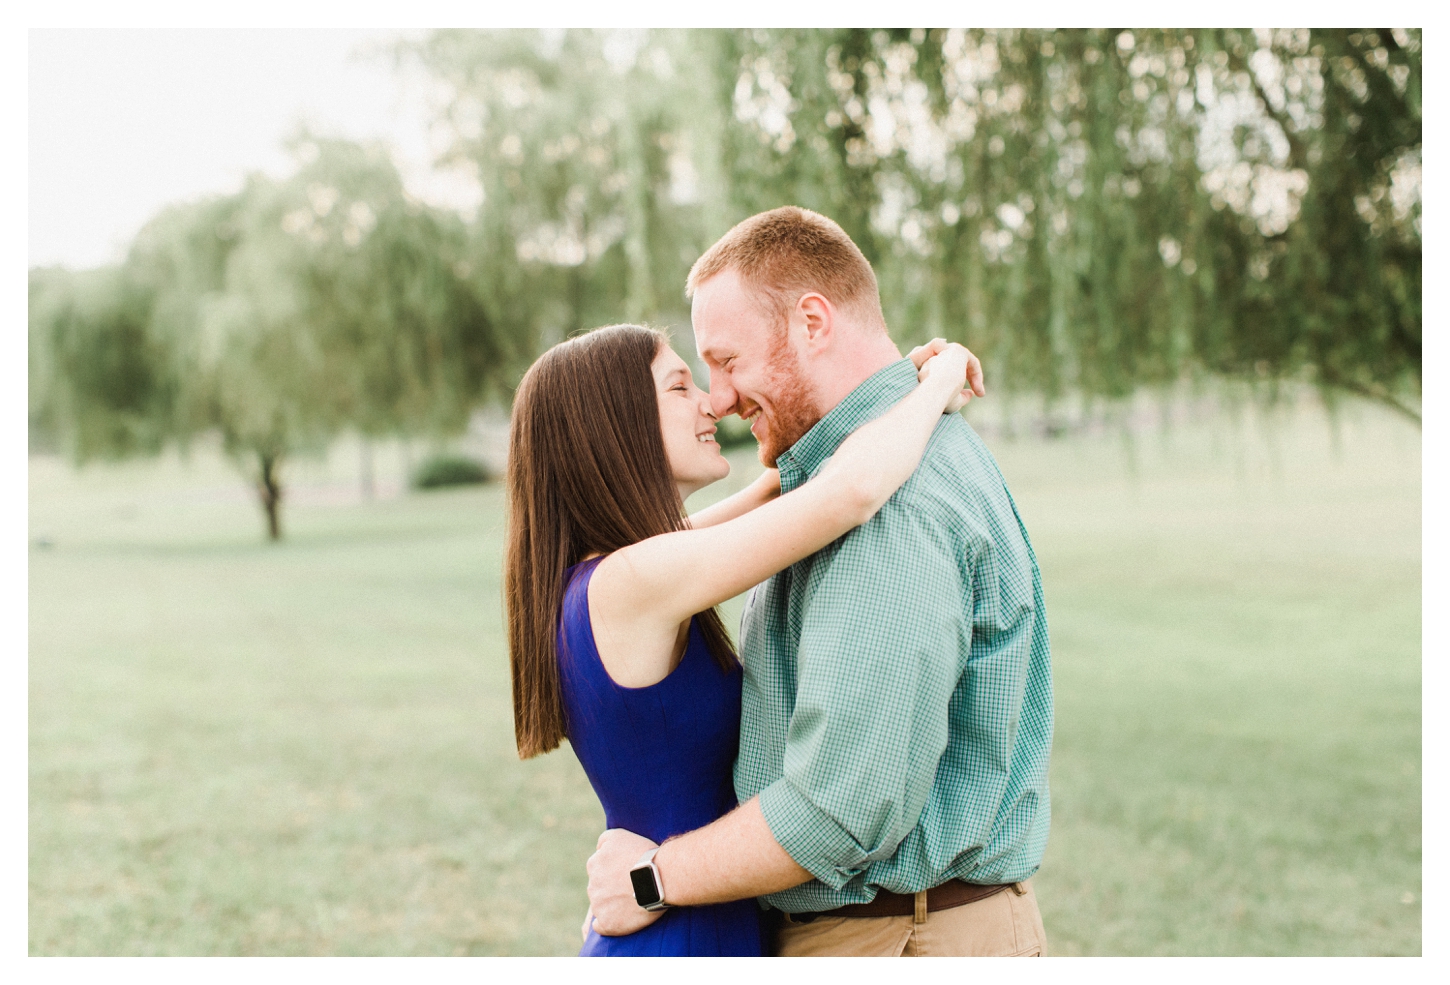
x=793, y=409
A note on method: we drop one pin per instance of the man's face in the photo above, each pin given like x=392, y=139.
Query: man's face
x=754, y=370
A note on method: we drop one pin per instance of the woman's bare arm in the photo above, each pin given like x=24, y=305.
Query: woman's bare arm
x=765, y=488
x=656, y=584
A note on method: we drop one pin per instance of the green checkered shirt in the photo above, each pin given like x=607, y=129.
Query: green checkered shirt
x=897, y=711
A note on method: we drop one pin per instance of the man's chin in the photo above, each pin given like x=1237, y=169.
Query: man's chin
x=771, y=447
x=764, y=450
x=770, y=456
x=767, y=450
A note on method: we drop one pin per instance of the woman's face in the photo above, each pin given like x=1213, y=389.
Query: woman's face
x=687, y=425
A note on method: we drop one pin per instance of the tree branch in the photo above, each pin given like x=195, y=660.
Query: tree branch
x=1371, y=391
x=1298, y=153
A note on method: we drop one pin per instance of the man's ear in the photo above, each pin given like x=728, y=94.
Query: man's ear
x=818, y=317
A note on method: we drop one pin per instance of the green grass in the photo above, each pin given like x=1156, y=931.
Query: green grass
x=306, y=748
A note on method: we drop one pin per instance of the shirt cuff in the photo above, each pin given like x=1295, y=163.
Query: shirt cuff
x=817, y=841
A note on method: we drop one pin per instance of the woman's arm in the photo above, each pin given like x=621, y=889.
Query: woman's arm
x=767, y=486
x=922, y=353
x=660, y=582
x=758, y=493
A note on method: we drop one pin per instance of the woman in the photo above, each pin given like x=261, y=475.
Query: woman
x=614, y=639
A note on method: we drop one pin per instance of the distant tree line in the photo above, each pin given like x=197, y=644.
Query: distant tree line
x=276, y=317
x=1092, y=211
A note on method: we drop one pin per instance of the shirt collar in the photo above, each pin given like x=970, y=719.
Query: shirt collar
x=877, y=394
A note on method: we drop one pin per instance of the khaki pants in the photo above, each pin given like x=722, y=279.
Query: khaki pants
x=1005, y=925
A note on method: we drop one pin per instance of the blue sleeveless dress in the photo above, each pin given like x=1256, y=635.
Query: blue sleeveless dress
x=660, y=760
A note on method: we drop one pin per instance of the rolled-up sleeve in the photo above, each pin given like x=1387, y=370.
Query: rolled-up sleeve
x=883, y=641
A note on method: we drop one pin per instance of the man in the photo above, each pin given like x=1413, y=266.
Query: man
x=897, y=708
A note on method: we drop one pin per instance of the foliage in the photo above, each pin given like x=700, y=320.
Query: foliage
x=277, y=316
x=450, y=470
x=732, y=432
x=590, y=212
x=1094, y=211
x=99, y=375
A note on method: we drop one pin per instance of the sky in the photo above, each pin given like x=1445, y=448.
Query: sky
x=124, y=122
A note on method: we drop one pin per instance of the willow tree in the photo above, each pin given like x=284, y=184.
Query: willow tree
x=1099, y=210
x=582, y=142
x=102, y=383
x=276, y=317
x=383, y=286
x=1094, y=211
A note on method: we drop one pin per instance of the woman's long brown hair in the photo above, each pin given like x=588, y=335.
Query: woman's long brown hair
x=587, y=473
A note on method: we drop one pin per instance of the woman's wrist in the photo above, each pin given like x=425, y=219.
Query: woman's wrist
x=943, y=385
x=939, y=390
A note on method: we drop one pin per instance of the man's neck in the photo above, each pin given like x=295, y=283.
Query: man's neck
x=857, y=365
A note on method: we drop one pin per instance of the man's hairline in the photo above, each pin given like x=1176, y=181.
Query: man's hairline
x=761, y=297
x=753, y=293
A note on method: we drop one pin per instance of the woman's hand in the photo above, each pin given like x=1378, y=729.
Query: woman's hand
x=611, y=891
x=949, y=367
x=922, y=353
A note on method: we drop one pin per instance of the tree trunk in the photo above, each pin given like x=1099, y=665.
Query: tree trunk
x=365, y=467
x=269, y=488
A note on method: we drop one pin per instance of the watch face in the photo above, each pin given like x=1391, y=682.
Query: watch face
x=646, y=893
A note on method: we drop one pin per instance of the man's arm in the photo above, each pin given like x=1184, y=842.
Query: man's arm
x=882, y=645
x=734, y=858
x=880, y=652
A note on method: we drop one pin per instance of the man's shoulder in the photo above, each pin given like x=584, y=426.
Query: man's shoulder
x=957, y=473
x=946, y=504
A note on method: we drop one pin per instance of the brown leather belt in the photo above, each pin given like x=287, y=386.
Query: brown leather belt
x=888, y=904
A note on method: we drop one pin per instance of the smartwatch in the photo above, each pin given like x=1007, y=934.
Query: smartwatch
x=649, y=891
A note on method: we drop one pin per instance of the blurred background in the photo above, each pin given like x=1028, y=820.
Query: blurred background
x=283, y=282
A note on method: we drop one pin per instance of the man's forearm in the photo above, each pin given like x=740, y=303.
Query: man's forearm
x=734, y=858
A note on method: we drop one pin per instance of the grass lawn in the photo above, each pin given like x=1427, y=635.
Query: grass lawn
x=306, y=748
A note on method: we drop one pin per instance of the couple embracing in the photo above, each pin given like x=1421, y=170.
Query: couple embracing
x=868, y=774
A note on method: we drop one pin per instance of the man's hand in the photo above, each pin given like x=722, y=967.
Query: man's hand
x=611, y=894
x=922, y=353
